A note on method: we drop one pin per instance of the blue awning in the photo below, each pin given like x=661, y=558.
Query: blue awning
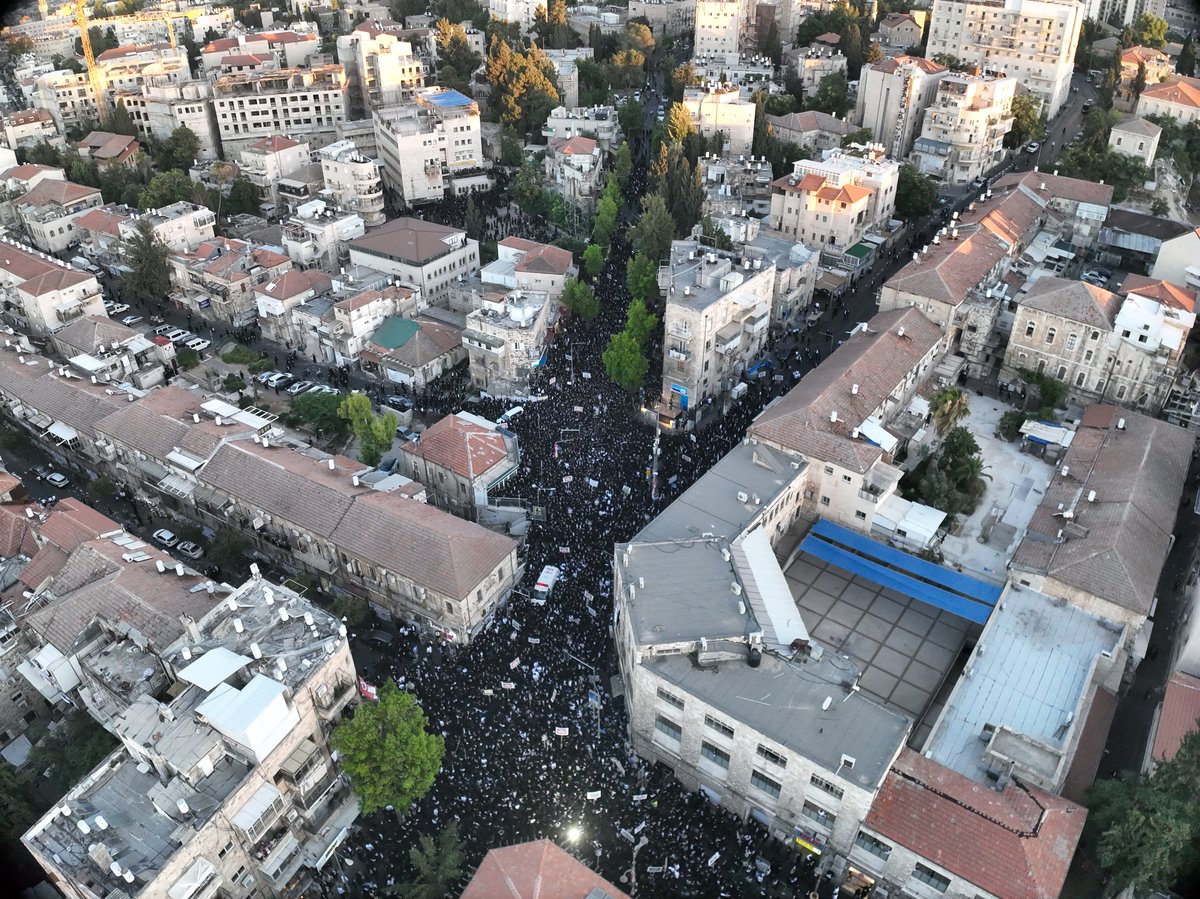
x=759, y=366
x=959, y=594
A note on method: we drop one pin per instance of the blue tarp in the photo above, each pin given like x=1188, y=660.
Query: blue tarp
x=941, y=588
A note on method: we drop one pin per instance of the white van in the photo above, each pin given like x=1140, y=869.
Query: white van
x=511, y=415
x=545, y=583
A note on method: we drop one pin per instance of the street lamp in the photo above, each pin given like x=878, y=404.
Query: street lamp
x=573, y=833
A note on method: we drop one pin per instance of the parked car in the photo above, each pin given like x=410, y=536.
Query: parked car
x=299, y=387
x=41, y=472
x=131, y=319
x=1033, y=146
x=174, y=334
x=163, y=537
x=378, y=639
x=266, y=376
x=408, y=435
x=402, y=403
x=322, y=388
x=163, y=330
x=118, y=308
x=183, y=338
x=190, y=549
x=55, y=479
x=199, y=344
x=280, y=379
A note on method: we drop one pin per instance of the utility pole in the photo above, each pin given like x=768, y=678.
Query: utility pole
x=654, y=453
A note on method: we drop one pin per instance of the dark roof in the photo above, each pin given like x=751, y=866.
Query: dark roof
x=1141, y=223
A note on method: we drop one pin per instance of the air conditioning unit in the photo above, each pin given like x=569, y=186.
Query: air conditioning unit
x=291, y=815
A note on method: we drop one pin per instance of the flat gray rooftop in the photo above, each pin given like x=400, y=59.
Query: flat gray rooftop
x=903, y=647
x=1032, y=674
x=711, y=505
x=782, y=700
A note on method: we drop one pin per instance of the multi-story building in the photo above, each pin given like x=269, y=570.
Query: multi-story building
x=902, y=29
x=125, y=69
x=566, y=72
x=415, y=352
x=276, y=299
x=1137, y=138
x=41, y=294
x=30, y=127
x=1177, y=260
x=744, y=70
x=181, y=226
x=380, y=66
x=720, y=26
x=106, y=350
x=423, y=142
x=715, y=324
x=106, y=149
x=505, y=339
x=811, y=128
x=519, y=11
x=226, y=781
x=423, y=255
x=716, y=108
x=962, y=135
x=219, y=277
x=162, y=105
x=670, y=18
x=68, y=97
x=1156, y=66
x=340, y=331
x=317, y=236
x=460, y=459
x=1082, y=205
x=352, y=181
x=1178, y=99
x=893, y=95
x=530, y=266
x=832, y=203
x=267, y=160
x=1102, y=347
x=304, y=103
x=290, y=49
x=1033, y=41
x=737, y=192
x=597, y=122
x=817, y=62
x=48, y=212
x=574, y=169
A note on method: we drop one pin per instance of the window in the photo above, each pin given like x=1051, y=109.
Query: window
x=1121, y=392
x=847, y=478
x=1087, y=357
x=771, y=756
x=818, y=814
x=1079, y=379
x=718, y=757
x=930, y=877
x=828, y=786
x=670, y=698
x=763, y=783
x=877, y=848
x=1050, y=334
x=828, y=469
x=224, y=852
x=824, y=500
x=860, y=514
x=1029, y=328
x=719, y=726
x=668, y=728
x=1071, y=339
x=1124, y=333
x=1095, y=335
x=1062, y=372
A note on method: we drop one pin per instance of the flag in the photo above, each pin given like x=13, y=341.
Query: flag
x=366, y=690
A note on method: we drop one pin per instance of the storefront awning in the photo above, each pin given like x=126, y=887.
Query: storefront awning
x=62, y=433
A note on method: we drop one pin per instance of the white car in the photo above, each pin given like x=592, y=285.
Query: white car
x=1033, y=146
x=163, y=537
x=175, y=333
x=322, y=388
x=299, y=387
x=182, y=338
x=190, y=549
x=131, y=320
x=266, y=376
x=199, y=344
x=119, y=308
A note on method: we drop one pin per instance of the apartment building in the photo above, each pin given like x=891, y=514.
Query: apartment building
x=716, y=322
x=599, y=123
x=574, y=169
x=340, y=330
x=834, y=202
x=68, y=97
x=49, y=210
x=1137, y=138
x=811, y=128
x=414, y=353
x=720, y=26
x=276, y=299
x=742, y=69
x=423, y=143
x=304, y=103
x=1033, y=41
x=519, y=11
x=669, y=18
x=1156, y=65
x=530, y=266
x=290, y=49
x=162, y=105
x=29, y=127
x=380, y=66
x=1176, y=260
x=566, y=72
x=1103, y=347
x=720, y=108
x=962, y=134
x=42, y=294
x=228, y=781
x=108, y=351
x=1082, y=205
x=125, y=69
x=422, y=255
x=902, y=29
x=318, y=236
x=893, y=95
x=219, y=277
x=1178, y=99
x=267, y=160
x=817, y=62
x=460, y=459
x=182, y=226
x=505, y=337
x=352, y=181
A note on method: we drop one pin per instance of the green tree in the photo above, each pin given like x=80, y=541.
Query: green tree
x=852, y=48
x=682, y=191
x=832, y=95
x=916, y=195
x=641, y=276
x=43, y=153
x=233, y=383
x=389, y=756
x=319, y=412
x=950, y=61
x=374, y=433
x=580, y=299
x=457, y=62
x=715, y=235
x=606, y=221
x=166, y=188
x=438, y=867
x=640, y=323
x=624, y=362
x=146, y=255
x=948, y=408
x=180, y=150
x=228, y=549
x=102, y=487
x=636, y=36
x=75, y=747
x=1139, y=80
x=1147, y=30
x=772, y=45
x=1160, y=207
x=861, y=136
x=630, y=116
x=593, y=260
x=511, y=153
x=678, y=123
x=682, y=76
x=652, y=234
x=623, y=166
x=527, y=191
x=473, y=220
x=121, y=122
x=1028, y=123
x=1185, y=63
x=186, y=358
x=627, y=67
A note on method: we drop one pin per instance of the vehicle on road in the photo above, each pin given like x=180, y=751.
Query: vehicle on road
x=545, y=583
x=183, y=338
x=402, y=403
x=190, y=549
x=1033, y=146
x=378, y=639
x=131, y=319
x=163, y=537
x=118, y=308
x=163, y=330
x=55, y=479
x=322, y=388
x=199, y=344
x=266, y=376
x=299, y=387
x=408, y=435
x=282, y=379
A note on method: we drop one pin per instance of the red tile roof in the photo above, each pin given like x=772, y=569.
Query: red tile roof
x=295, y=282
x=1164, y=292
x=952, y=268
x=1017, y=843
x=51, y=191
x=27, y=171
x=535, y=870
x=1180, y=715
x=1134, y=55
x=576, y=146
x=540, y=257
x=107, y=219
x=448, y=441
x=889, y=66
x=1184, y=92
x=274, y=143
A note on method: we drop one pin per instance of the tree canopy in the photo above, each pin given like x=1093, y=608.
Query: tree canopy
x=438, y=867
x=624, y=362
x=1028, y=122
x=523, y=85
x=150, y=275
x=580, y=299
x=180, y=150
x=652, y=234
x=389, y=756
x=916, y=195
x=374, y=433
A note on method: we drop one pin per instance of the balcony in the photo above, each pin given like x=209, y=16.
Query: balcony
x=681, y=354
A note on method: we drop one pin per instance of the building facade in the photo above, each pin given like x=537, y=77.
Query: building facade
x=306, y=104
x=422, y=255
x=424, y=142
x=962, y=134
x=353, y=181
x=893, y=95
x=721, y=109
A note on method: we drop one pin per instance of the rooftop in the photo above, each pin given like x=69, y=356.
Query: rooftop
x=1183, y=92
x=537, y=869
x=1077, y=301
x=952, y=268
x=1180, y=715
x=1138, y=126
x=411, y=240
x=1017, y=843
x=1060, y=187
x=466, y=448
